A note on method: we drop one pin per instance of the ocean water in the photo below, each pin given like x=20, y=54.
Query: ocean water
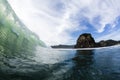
x=62, y=64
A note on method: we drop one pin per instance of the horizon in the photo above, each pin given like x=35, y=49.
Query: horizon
x=76, y=42
x=63, y=21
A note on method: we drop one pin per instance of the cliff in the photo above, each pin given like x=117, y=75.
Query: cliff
x=85, y=41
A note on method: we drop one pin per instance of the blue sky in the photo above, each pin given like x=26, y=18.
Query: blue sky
x=62, y=21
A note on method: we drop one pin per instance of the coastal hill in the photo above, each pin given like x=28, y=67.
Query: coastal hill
x=86, y=40
x=63, y=46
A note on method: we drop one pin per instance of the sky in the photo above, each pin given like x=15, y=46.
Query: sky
x=62, y=21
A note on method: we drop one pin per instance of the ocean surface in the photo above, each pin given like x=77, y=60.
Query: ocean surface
x=63, y=64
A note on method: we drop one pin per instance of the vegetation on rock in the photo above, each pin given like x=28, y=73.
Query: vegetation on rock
x=85, y=41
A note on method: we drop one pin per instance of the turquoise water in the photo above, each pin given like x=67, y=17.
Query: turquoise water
x=49, y=64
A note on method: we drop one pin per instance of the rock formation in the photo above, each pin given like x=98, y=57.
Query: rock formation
x=85, y=41
x=104, y=43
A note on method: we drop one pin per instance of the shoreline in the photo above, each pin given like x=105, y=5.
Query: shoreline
x=85, y=48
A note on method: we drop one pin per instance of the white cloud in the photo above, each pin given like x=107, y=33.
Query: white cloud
x=105, y=9
x=54, y=20
x=114, y=35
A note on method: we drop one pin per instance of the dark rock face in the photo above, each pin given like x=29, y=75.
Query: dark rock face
x=85, y=41
x=107, y=43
